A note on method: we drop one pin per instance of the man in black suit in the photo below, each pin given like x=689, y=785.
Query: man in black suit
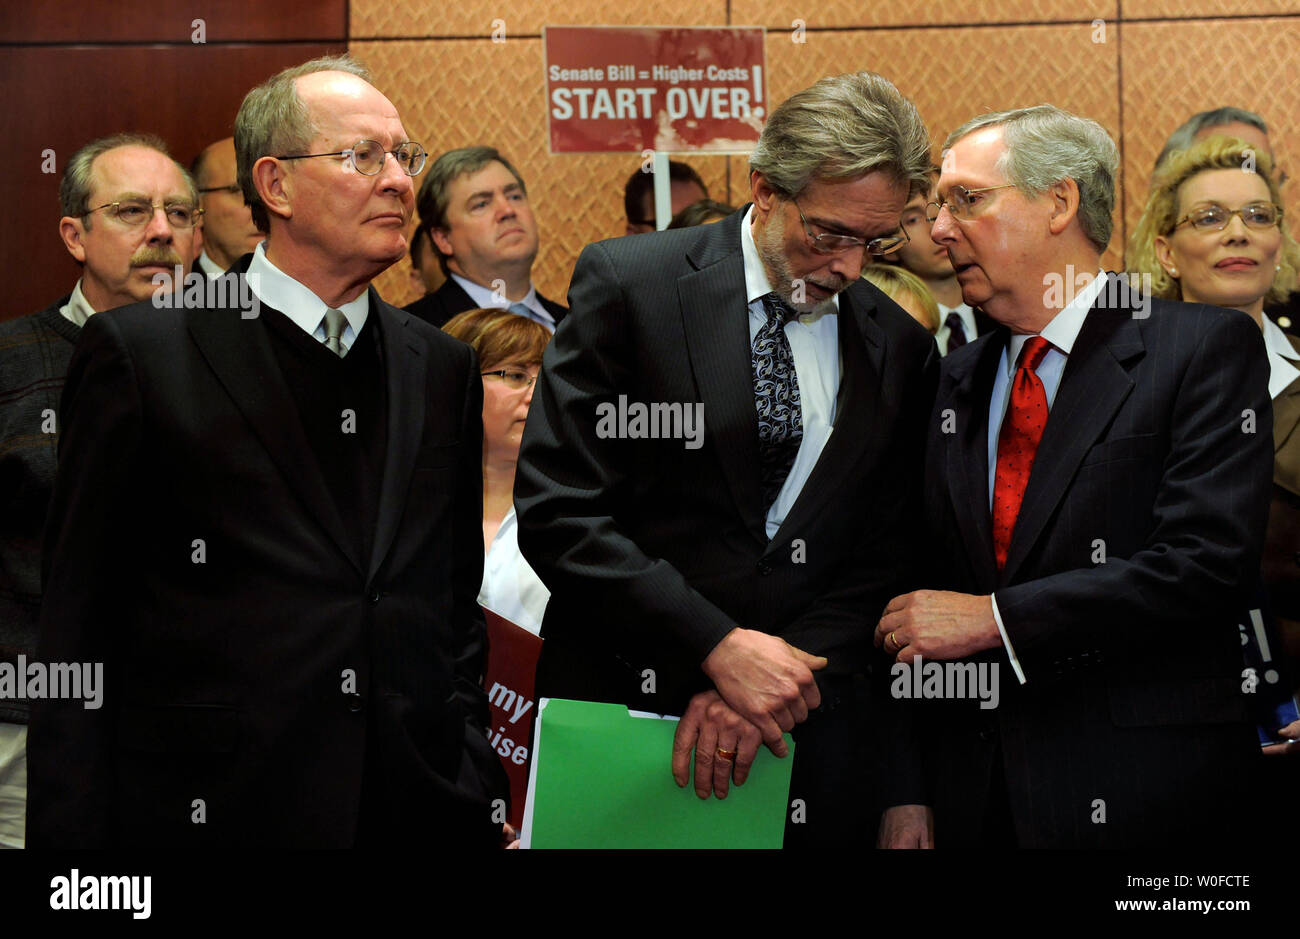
x=266, y=526
x=228, y=230
x=474, y=206
x=710, y=565
x=1097, y=484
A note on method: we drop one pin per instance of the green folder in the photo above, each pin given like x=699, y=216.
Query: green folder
x=602, y=778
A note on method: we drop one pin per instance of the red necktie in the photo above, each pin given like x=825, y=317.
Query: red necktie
x=1022, y=429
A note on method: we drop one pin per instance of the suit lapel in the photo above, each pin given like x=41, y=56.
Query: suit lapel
x=1286, y=442
x=716, y=323
x=1093, y=386
x=859, y=415
x=405, y=376
x=966, y=463
x=239, y=353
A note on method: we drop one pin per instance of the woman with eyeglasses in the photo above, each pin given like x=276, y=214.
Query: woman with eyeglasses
x=1213, y=232
x=510, y=354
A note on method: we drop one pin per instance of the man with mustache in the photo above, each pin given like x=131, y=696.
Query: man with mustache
x=732, y=578
x=120, y=243
x=474, y=208
x=266, y=526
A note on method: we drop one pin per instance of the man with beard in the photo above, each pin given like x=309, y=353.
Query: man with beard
x=745, y=557
x=128, y=214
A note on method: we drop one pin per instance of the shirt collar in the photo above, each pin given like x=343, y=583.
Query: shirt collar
x=1064, y=327
x=78, y=309
x=486, y=298
x=211, y=267
x=1280, y=371
x=295, y=300
x=757, y=285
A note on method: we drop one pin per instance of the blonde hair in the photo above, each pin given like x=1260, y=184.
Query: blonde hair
x=499, y=336
x=1218, y=152
x=897, y=281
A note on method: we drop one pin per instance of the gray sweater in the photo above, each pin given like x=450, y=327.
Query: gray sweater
x=34, y=355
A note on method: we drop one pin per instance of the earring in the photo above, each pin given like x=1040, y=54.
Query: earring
x=1278, y=268
x=1173, y=272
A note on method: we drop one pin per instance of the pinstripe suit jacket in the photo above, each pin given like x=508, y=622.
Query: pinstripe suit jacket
x=1138, y=539
x=654, y=551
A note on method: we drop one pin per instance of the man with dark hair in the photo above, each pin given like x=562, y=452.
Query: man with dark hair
x=1097, y=481
x=474, y=206
x=228, y=230
x=128, y=214
x=427, y=274
x=267, y=529
x=744, y=549
x=685, y=185
x=1227, y=121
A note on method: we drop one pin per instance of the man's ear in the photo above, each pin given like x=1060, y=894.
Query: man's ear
x=73, y=232
x=441, y=241
x=764, y=195
x=274, y=186
x=1065, y=204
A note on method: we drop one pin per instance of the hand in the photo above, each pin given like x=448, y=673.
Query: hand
x=509, y=837
x=707, y=726
x=937, y=624
x=766, y=680
x=906, y=826
x=1292, y=733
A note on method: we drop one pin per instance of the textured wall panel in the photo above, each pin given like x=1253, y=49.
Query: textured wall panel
x=1148, y=9
x=781, y=14
x=1157, y=98
x=418, y=18
x=149, y=21
x=463, y=92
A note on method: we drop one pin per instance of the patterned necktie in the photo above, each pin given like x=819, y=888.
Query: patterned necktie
x=1022, y=429
x=334, y=323
x=956, y=331
x=776, y=396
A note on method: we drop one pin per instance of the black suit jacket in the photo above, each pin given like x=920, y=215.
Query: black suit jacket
x=252, y=659
x=653, y=552
x=1138, y=540
x=449, y=299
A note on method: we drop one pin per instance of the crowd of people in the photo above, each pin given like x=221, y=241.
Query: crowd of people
x=249, y=532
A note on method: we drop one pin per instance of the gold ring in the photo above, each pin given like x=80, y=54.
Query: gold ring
x=727, y=755
x=894, y=640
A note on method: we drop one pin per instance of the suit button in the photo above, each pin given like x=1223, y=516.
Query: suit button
x=354, y=702
x=764, y=568
x=374, y=598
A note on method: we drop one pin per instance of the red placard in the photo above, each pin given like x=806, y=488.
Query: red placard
x=511, y=670
x=615, y=89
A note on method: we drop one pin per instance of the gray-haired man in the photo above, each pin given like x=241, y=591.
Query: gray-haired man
x=128, y=214
x=743, y=565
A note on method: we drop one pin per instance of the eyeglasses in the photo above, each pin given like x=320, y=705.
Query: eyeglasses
x=959, y=202
x=516, y=379
x=232, y=188
x=1257, y=215
x=368, y=157
x=830, y=244
x=137, y=212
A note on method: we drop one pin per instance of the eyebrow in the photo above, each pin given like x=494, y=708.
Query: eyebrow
x=512, y=187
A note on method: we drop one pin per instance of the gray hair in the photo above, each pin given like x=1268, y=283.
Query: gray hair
x=1045, y=145
x=843, y=127
x=273, y=121
x=74, y=188
x=1185, y=136
x=435, y=191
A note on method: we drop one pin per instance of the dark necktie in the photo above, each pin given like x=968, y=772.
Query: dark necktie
x=956, y=331
x=776, y=396
x=1022, y=429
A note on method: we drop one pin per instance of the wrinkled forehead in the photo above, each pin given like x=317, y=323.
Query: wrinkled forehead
x=344, y=109
x=136, y=171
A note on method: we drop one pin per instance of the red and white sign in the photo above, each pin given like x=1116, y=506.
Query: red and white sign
x=615, y=89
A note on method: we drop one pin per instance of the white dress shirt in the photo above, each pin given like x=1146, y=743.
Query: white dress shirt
x=1280, y=356
x=511, y=588
x=78, y=309
x=488, y=299
x=815, y=343
x=1061, y=332
x=211, y=267
x=279, y=291
x=967, y=322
